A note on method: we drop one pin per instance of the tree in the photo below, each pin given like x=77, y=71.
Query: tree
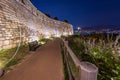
x=65, y=21
x=48, y=15
x=55, y=18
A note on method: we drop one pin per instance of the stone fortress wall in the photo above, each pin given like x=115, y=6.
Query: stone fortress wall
x=21, y=21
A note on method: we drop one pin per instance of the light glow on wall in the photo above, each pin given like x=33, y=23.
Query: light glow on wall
x=70, y=33
x=57, y=34
x=33, y=38
x=65, y=33
x=47, y=34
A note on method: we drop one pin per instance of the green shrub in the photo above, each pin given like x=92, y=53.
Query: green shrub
x=98, y=52
x=7, y=54
x=1, y=51
x=13, y=62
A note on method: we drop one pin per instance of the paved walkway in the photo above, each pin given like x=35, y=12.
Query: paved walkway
x=44, y=64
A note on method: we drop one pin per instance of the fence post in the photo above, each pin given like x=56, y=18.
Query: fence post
x=88, y=71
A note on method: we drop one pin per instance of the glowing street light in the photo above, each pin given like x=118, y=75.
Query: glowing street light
x=79, y=28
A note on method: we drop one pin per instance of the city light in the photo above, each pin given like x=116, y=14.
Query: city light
x=79, y=28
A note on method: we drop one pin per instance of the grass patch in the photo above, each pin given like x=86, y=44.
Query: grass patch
x=44, y=40
x=7, y=54
x=1, y=51
x=99, y=50
x=73, y=67
x=12, y=62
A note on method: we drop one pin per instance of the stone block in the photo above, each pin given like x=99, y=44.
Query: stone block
x=6, y=42
x=2, y=38
x=1, y=43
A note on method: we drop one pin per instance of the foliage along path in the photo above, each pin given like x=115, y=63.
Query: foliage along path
x=44, y=64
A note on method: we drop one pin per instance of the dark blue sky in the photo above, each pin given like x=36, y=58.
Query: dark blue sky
x=82, y=12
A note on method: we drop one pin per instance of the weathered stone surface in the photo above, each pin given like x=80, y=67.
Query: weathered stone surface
x=19, y=18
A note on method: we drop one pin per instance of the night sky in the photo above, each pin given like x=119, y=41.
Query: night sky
x=82, y=12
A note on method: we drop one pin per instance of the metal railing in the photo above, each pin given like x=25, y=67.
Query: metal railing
x=78, y=70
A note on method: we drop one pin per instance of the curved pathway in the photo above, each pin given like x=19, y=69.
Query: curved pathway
x=44, y=64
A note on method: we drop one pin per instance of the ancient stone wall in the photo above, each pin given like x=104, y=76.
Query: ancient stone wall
x=21, y=22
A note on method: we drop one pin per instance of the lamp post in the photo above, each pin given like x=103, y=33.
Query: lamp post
x=79, y=28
